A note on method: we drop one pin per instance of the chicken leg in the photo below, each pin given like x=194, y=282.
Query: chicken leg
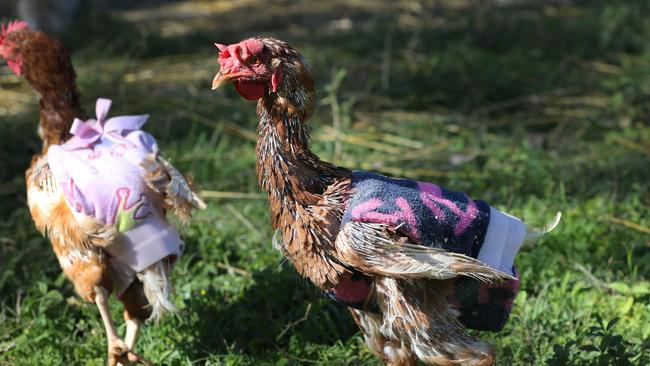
x=118, y=350
x=132, y=332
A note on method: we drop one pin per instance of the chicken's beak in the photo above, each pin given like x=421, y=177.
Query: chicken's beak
x=222, y=79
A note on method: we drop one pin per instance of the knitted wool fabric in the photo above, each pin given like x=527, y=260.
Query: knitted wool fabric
x=99, y=171
x=426, y=213
x=435, y=217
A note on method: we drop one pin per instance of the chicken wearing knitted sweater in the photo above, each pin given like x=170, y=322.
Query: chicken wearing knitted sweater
x=415, y=263
x=100, y=190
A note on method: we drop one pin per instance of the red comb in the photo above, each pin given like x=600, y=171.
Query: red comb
x=15, y=26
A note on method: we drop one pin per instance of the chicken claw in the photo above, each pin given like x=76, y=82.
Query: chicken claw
x=119, y=354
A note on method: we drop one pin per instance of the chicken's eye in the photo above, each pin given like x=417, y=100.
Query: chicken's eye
x=255, y=60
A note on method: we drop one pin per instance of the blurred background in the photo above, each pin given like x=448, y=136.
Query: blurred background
x=533, y=106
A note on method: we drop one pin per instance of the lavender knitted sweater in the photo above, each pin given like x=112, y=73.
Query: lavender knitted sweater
x=100, y=174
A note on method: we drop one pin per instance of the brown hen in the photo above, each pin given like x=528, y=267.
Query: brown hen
x=402, y=290
x=81, y=242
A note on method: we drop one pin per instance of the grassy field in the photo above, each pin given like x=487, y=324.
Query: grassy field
x=535, y=108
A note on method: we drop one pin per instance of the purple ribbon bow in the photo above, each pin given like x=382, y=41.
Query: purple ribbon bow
x=88, y=132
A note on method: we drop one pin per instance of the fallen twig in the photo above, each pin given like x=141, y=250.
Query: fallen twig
x=329, y=134
x=596, y=281
x=524, y=99
x=231, y=195
x=227, y=125
x=633, y=145
x=399, y=140
x=599, y=66
x=294, y=323
x=412, y=172
x=629, y=224
x=234, y=269
x=243, y=219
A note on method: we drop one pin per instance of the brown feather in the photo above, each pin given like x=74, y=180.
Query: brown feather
x=47, y=68
x=377, y=249
x=176, y=190
x=77, y=244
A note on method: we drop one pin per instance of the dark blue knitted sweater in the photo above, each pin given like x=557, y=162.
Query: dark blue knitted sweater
x=435, y=217
x=429, y=215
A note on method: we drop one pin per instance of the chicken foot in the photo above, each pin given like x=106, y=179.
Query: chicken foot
x=119, y=351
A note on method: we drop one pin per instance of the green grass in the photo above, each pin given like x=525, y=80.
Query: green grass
x=534, y=108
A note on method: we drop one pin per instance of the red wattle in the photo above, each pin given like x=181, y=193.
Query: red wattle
x=352, y=291
x=251, y=90
x=15, y=66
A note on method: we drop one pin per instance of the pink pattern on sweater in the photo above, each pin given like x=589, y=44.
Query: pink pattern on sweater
x=364, y=212
x=432, y=196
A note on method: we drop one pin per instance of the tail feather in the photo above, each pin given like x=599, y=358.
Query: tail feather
x=532, y=235
x=157, y=288
x=176, y=189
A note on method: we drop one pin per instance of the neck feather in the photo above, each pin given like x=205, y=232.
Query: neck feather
x=49, y=70
x=286, y=167
x=58, y=109
x=305, y=193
